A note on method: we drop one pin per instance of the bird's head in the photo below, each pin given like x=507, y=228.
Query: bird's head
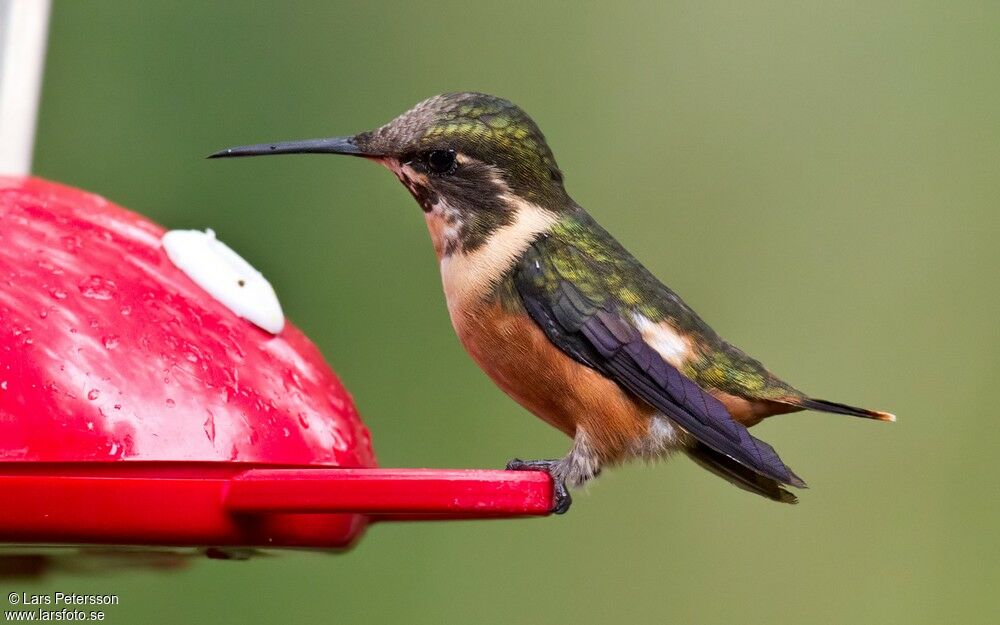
x=472, y=161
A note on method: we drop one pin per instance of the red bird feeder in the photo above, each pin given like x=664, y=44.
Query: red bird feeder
x=136, y=409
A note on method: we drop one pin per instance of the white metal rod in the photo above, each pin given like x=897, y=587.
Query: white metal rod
x=23, y=30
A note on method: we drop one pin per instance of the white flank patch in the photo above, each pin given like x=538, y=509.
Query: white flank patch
x=662, y=438
x=226, y=276
x=673, y=347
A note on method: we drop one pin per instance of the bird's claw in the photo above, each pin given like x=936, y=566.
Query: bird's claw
x=562, y=497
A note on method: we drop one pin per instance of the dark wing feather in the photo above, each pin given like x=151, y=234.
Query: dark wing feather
x=597, y=335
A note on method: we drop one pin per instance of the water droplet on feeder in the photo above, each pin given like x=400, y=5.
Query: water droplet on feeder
x=71, y=243
x=96, y=287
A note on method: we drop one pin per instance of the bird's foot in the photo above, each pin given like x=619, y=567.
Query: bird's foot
x=563, y=500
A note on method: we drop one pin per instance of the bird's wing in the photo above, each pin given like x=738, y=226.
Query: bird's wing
x=597, y=332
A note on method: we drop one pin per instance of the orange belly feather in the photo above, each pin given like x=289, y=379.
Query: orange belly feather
x=521, y=360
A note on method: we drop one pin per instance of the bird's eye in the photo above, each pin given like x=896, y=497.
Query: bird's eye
x=441, y=161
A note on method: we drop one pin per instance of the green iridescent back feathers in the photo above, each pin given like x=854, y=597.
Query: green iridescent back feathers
x=580, y=251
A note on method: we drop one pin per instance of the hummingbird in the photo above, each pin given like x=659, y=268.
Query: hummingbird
x=560, y=315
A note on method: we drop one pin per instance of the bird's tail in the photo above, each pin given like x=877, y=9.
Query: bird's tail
x=828, y=406
x=739, y=475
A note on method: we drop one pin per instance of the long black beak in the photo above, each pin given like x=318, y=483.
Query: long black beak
x=334, y=145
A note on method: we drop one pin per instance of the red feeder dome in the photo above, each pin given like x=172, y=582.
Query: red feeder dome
x=137, y=409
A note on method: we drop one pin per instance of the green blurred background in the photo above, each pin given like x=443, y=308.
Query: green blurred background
x=819, y=180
